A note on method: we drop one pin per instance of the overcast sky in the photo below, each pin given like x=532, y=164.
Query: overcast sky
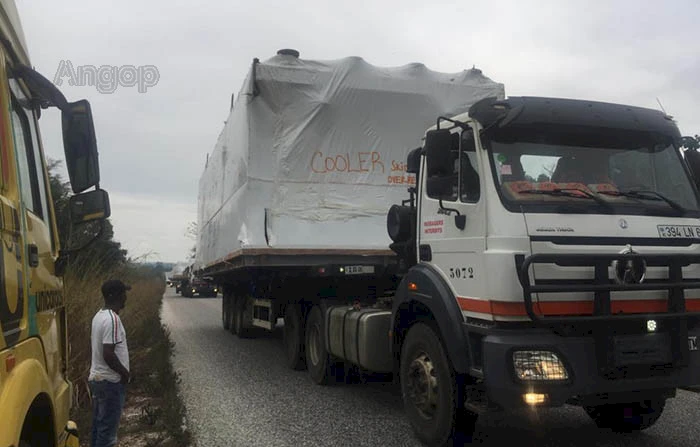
x=153, y=145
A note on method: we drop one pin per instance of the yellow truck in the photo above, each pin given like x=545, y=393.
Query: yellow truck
x=35, y=394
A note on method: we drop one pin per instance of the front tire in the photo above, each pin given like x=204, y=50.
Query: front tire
x=626, y=418
x=430, y=390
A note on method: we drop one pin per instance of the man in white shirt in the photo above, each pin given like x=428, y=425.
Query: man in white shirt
x=109, y=370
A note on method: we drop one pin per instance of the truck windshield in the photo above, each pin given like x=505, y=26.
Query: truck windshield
x=558, y=170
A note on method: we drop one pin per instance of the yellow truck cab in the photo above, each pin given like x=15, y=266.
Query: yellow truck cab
x=35, y=394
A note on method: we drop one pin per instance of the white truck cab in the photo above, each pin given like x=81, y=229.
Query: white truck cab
x=555, y=245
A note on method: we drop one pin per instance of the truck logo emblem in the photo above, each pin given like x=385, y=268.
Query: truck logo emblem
x=629, y=271
x=623, y=224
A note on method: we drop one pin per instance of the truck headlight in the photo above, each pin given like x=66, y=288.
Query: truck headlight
x=539, y=365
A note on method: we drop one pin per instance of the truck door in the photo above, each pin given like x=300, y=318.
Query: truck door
x=43, y=289
x=457, y=253
x=14, y=325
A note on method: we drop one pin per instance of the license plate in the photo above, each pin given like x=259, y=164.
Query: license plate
x=358, y=269
x=647, y=349
x=693, y=343
x=679, y=231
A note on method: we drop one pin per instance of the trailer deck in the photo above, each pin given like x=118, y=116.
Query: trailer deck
x=319, y=262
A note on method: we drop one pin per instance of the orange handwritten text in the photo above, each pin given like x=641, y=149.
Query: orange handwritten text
x=402, y=179
x=359, y=162
x=399, y=166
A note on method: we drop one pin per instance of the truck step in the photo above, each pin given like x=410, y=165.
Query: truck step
x=476, y=372
x=263, y=317
x=477, y=401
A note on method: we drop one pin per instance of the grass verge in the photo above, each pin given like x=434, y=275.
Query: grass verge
x=154, y=414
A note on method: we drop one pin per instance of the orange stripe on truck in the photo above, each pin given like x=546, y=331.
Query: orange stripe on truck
x=517, y=309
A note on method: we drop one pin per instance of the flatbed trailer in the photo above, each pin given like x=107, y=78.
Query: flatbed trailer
x=262, y=285
x=307, y=259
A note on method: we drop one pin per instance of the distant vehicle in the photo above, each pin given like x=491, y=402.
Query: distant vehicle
x=203, y=287
x=176, y=281
x=35, y=394
x=548, y=251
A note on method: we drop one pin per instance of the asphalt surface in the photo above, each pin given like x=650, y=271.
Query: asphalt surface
x=238, y=392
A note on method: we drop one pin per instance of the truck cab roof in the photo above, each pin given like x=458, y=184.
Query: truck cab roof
x=531, y=110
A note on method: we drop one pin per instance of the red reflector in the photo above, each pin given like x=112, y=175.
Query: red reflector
x=10, y=362
x=412, y=286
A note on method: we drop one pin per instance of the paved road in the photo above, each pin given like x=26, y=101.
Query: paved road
x=239, y=393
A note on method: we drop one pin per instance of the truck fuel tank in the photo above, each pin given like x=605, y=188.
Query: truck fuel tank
x=360, y=337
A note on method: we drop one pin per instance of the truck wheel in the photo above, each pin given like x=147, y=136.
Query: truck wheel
x=429, y=388
x=232, y=314
x=238, y=313
x=321, y=367
x=225, y=319
x=625, y=418
x=293, y=337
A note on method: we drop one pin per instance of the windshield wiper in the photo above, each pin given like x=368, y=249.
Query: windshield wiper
x=647, y=195
x=568, y=192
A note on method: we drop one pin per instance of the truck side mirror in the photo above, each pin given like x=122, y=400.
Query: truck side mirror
x=88, y=206
x=80, y=146
x=439, y=163
x=438, y=145
x=413, y=161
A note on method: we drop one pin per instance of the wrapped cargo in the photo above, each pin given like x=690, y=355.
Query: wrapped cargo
x=313, y=152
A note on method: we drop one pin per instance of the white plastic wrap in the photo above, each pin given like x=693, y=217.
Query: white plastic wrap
x=313, y=153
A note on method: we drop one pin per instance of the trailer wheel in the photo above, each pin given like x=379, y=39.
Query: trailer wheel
x=231, y=313
x=430, y=390
x=228, y=301
x=626, y=418
x=294, y=337
x=225, y=319
x=239, y=327
x=321, y=366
